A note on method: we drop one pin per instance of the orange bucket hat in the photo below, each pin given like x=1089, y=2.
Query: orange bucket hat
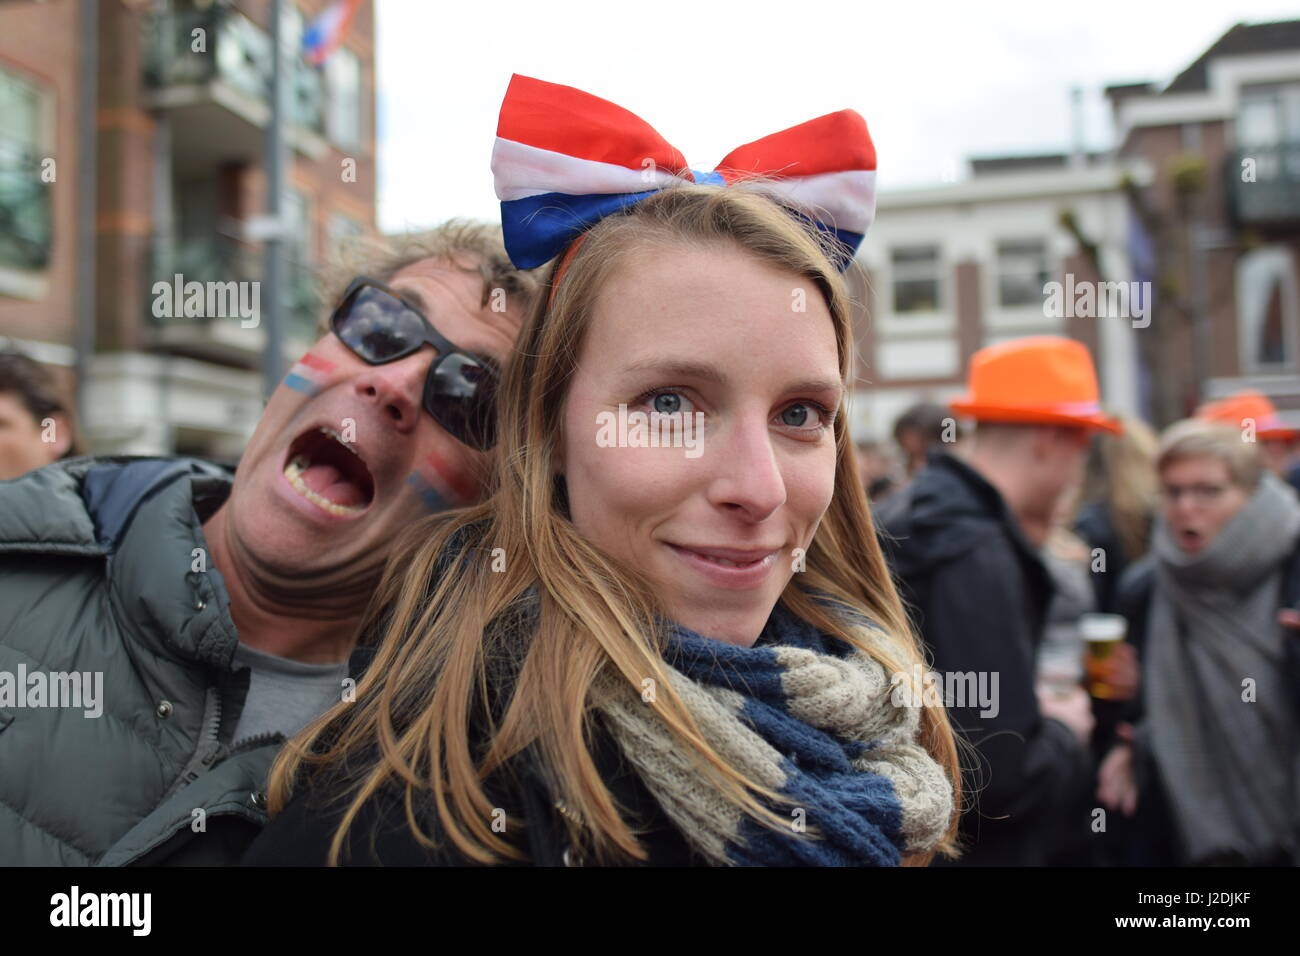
x=1249, y=404
x=1041, y=380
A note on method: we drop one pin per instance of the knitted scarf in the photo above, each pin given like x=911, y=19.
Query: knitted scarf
x=1228, y=762
x=810, y=718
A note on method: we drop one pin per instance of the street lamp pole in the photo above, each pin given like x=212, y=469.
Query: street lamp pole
x=276, y=162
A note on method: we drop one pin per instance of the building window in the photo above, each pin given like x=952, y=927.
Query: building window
x=1268, y=309
x=26, y=232
x=916, y=278
x=297, y=215
x=343, y=233
x=308, y=85
x=1022, y=272
x=291, y=29
x=300, y=251
x=343, y=82
x=243, y=55
x=1269, y=116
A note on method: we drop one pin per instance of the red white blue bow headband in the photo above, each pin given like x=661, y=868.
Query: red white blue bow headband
x=564, y=159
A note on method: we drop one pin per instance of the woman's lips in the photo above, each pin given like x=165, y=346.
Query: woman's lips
x=729, y=567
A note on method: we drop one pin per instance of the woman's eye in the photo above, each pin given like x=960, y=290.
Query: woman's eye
x=804, y=415
x=795, y=415
x=667, y=403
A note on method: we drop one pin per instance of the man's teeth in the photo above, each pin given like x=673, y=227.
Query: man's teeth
x=340, y=439
x=293, y=471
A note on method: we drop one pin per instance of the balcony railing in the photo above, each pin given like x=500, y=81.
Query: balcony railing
x=302, y=302
x=1264, y=185
x=193, y=47
x=26, y=223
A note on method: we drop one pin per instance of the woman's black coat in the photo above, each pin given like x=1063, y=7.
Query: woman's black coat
x=300, y=835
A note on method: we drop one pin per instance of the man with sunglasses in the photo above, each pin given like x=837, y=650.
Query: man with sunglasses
x=201, y=621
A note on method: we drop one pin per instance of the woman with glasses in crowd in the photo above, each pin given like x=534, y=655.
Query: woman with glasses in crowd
x=669, y=635
x=1211, y=764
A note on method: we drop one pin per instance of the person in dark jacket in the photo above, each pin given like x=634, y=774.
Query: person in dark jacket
x=641, y=650
x=191, y=622
x=963, y=540
x=1210, y=768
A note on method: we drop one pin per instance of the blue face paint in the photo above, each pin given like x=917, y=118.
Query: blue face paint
x=440, y=486
x=427, y=493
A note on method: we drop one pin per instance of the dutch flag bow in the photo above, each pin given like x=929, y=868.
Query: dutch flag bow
x=564, y=159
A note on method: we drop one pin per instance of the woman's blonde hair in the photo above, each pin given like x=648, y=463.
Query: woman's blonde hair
x=1122, y=473
x=448, y=616
x=1196, y=438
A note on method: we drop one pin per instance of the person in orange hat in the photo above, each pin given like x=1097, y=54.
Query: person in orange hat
x=1252, y=412
x=964, y=540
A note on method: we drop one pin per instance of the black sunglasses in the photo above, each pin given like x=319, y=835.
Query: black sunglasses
x=380, y=326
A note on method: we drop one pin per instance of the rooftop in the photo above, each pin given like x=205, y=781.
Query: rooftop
x=1242, y=39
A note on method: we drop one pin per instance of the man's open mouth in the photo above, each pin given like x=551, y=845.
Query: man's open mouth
x=329, y=472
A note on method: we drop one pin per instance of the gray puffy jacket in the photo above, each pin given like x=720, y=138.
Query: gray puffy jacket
x=99, y=574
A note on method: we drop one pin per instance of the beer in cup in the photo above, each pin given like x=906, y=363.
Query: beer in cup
x=1101, y=633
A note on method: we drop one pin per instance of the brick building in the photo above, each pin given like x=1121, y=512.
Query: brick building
x=1221, y=218
x=38, y=211
x=182, y=109
x=1200, y=198
x=955, y=267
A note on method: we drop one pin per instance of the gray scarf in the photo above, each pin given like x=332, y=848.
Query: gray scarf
x=1227, y=763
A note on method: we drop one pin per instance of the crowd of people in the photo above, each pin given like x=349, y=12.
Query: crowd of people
x=1048, y=533
x=432, y=619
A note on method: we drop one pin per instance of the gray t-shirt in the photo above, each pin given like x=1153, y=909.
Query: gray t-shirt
x=284, y=695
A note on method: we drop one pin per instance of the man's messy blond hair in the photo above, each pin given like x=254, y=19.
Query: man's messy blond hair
x=474, y=246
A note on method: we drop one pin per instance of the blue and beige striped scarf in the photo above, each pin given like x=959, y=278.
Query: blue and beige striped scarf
x=810, y=718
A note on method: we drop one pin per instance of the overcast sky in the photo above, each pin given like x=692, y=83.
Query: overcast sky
x=937, y=82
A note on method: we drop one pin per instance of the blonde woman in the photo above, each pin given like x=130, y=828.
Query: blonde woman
x=671, y=652
x=1210, y=770
x=1120, y=498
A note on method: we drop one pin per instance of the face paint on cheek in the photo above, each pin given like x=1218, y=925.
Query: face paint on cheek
x=308, y=374
x=439, y=486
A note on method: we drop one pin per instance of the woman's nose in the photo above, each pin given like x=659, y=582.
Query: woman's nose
x=748, y=478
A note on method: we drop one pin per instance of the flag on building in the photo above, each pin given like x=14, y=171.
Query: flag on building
x=323, y=36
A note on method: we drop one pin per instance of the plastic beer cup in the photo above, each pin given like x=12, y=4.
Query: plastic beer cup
x=1101, y=633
